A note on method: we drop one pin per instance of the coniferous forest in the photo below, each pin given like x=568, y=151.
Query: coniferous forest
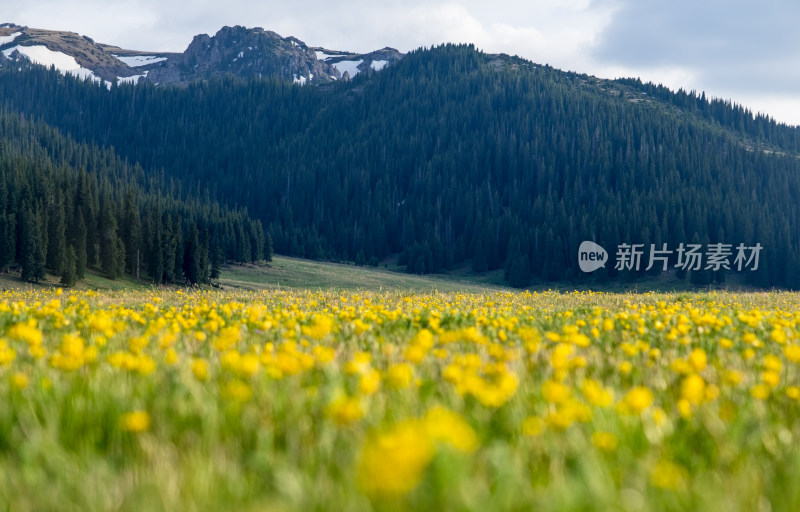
x=66, y=206
x=448, y=158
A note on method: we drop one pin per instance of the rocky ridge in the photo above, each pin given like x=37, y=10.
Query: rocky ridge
x=238, y=51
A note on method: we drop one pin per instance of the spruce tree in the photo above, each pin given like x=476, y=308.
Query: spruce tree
x=111, y=248
x=205, y=257
x=519, y=272
x=31, y=253
x=269, y=248
x=131, y=234
x=56, y=247
x=79, y=243
x=69, y=274
x=191, y=256
x=169, y=248
x=155, y=257
x=216, y=261
x=8, y=238
x=177, y=262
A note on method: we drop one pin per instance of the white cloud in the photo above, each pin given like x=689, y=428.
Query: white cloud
x=737, y=50
x=782, y=108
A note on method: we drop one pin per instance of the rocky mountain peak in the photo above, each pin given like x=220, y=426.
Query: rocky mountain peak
x=237, y=50
x=245, y=52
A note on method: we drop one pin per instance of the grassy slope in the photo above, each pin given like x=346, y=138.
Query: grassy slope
x=285, y=272
x=94, y=280
x=295, y=273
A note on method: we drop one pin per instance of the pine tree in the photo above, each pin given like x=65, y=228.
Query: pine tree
x=8, y=238
x=257, y=244
x=112, y=255
x=31, y=254
x=155, y=256
x=69, y=274
x=56, y=248
x=205, y=257
x=42, y=217
x=191, y=256
x=119, y=260
x=177, y=261
x=79, y=243
x=131, y=234
x=243, y=248
x=268, y=248
x=169, y=253
x=217, y=258
x=519, y=272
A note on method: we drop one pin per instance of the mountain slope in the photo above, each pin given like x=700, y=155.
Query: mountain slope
x=453, y=157
x=68, y=51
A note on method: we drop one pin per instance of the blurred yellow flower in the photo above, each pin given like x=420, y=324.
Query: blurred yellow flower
x=137, y=421
x=445, y=426
x=345, y=410
x=20, y=380
x=555, y=392
x=637, y=400
x=321, y=326
x=200, y=369
x=400, y=376
x=605, y=441
x=392, y=463
x=668, y=475
x=693, y=389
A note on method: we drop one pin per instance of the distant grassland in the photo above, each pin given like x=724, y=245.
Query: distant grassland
x=292, y=273
x=285, y=272
x=299, y=274
x=164, y=399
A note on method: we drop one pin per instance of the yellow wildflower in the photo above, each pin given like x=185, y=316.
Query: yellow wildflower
x=345, y=410
x=668, y=475
x=605, y=441
x=137, y=421
x=637, y=400
x=200, y=369
x=392, y=463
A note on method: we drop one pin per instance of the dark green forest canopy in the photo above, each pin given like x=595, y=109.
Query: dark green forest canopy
x=66, y=206
x=452, y=157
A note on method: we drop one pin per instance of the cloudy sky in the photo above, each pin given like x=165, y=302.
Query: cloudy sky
x=735, y=49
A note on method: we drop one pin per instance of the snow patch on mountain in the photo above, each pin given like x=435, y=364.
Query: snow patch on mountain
x=40, y=54
x=9, y=39
x=135, y=61
x=321, y=55
x=131, y=79
x=349, y=66
x=378, y=65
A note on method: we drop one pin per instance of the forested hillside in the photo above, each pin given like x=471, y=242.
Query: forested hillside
x=450, y=157
x=66, y=206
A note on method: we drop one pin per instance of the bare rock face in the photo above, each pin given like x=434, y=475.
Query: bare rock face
x=245, y=52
